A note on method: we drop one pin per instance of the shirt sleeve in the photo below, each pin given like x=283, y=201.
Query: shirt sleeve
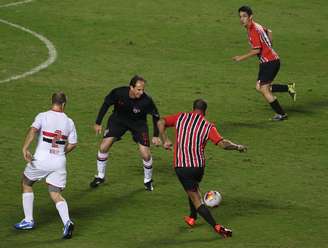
x=109, y=100
x=37, y=123
x=72, y=136
x=214, y=135
x=255, y=39
x=155, y=115
x=171, y=120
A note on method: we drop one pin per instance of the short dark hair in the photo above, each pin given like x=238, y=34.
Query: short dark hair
x=200, y=104
x=135, y=79
x=58, y=98
x=246, y=9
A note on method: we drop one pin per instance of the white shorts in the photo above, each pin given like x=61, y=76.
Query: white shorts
x=53, y=170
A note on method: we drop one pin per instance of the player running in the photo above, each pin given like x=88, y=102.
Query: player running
x=260, y=39
x=131, y=106
x=192, y=133
x=56, y=137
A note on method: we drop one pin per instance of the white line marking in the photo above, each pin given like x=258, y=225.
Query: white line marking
x=52, y=52
x=15, y=3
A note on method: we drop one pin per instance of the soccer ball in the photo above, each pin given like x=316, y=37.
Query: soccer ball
x=212, y=198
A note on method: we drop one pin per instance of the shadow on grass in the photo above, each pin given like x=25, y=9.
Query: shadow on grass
x=48, y=214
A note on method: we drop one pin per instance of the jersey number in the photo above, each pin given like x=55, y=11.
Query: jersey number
x=56, y=138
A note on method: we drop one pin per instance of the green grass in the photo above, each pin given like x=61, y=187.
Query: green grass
x=274, y=196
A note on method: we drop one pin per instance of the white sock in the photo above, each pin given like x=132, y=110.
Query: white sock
x=101, y=164
x=62, y=208
x=28, y=199
x=148, y=170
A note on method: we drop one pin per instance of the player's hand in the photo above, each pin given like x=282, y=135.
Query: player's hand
x=156, y=141
x=241, y=148
x=97, y=128
x=27, y=155
x=237, y=58
x=167, y=145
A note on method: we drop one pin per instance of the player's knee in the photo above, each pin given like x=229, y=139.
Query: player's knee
x=146, y=155
x=54, y=193
x=27, y=184
x=105, y=145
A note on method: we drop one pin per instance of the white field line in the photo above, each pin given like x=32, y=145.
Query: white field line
x=52, y=52
x=15, y=3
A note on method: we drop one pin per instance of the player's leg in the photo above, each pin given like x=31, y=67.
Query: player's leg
x=266, y=75
x=115, y=129
x=102, y=158
x=30, y=176
x=147, y=162
x=281, y=87
x=56, y=181
x=265, y=90
x=141, y=137
x=62, y=208
x=190, y=179
x=27, y=201
x=196, y=198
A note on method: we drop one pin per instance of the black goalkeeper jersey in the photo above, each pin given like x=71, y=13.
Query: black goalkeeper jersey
x=126, y=109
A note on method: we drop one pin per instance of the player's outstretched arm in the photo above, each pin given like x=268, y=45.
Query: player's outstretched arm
x=228, y=145
x=251, y=53
x=28, y=140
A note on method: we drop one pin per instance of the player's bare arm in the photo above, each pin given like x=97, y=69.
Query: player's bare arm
x=251, y=53
x=167, y=144
x=69, y=148
x=97, y=128
x=228, y=145
x=28, y=140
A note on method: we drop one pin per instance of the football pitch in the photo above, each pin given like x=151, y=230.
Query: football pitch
x=275, y=195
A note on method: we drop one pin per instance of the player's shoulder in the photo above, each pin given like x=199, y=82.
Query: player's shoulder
x=120, y=89
x=42, y=114
x=258, y=27
x=147, y=97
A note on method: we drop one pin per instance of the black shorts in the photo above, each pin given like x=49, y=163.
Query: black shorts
x=190, y=177
x=268, y=71
x=116, y=128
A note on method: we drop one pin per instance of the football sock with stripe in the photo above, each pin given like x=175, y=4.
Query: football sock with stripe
x=28, y=199
x=62, y=208
x=279, y=88
x=206, y=214
x=275, y=105
x=101, y=164
x=148, y=169
x=193, y=210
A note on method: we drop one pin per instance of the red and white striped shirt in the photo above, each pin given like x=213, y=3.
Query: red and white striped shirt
x=258, y=39
x=192, y=133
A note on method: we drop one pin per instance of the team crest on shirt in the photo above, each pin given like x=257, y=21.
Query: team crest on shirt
x=136, y=110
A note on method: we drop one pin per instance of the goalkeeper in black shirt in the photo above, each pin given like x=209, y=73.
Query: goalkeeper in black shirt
x=131, y=106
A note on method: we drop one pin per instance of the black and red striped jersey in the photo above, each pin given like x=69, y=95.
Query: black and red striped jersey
x=192, y=133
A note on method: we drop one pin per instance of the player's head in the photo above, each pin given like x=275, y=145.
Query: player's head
x=200, y=105
x=59, y=99
x=137, y=86
x=245, y=15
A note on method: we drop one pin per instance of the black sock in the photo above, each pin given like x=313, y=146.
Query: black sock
x=193, y=211
x=276, y=107
x=279, y=88
x=206, y=214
